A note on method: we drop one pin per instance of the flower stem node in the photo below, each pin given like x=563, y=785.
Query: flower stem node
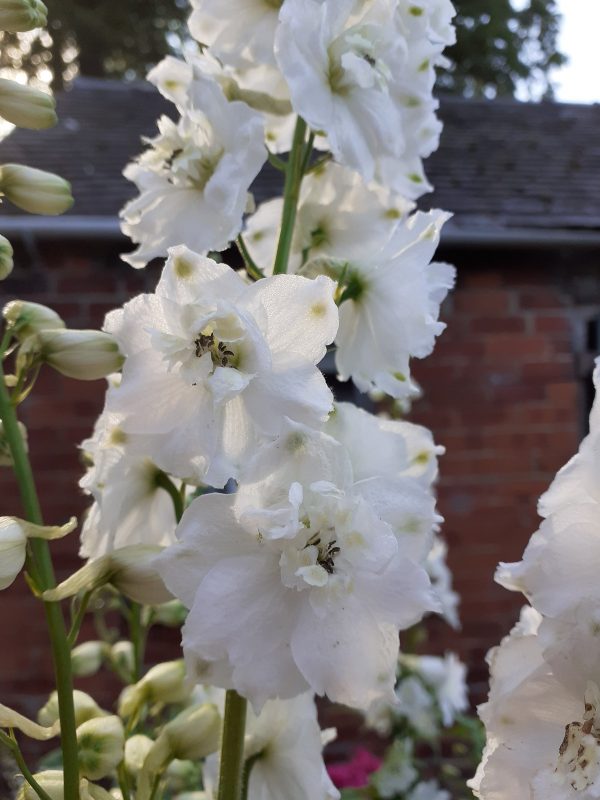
x=101, y=744
x=83, y=355
x=26, y=319
x=6, y=258
x=22, y=15
x=25, y=106
x=35, y=190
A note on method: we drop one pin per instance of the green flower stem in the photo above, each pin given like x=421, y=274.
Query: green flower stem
x=78, y=618
x=138, y=638
x=291, y=192
x=163, y=480
x=232, y=747
x=43, y=574
x=252, y=267
x=14, y=748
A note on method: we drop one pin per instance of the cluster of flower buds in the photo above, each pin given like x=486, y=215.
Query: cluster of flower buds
x=33, y=190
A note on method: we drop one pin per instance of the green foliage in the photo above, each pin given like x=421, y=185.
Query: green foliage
x=500, y=48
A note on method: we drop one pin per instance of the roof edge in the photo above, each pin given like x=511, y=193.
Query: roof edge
x=107, y=228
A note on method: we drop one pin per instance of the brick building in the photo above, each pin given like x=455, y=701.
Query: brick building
x=506, y=389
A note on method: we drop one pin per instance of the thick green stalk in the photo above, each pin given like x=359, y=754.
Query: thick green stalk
x=296, y=164
x=43, y=574
x=232, y=747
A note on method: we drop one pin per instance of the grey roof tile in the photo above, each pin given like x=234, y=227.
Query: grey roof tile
x=500, y=163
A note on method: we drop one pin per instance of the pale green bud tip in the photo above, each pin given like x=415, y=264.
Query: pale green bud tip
x=136, y=749
x=84, y=355
x=86, y=658
x=6, y=258
x=22, y=15
x=26, y=318
x=25, y=106
x=35, y=190
x=101, y=744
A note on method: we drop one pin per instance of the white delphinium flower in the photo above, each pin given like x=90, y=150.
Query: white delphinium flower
x=284, y=743
x=446, y=677
x=353, y=73
x=441, y=579
x=381, y=446
x=215, y=364
x=576, y=482
x=129, y=505
x=303, y=578
x=543, y=713
x=194, y=178
x=237, y=31
x=392, y=307
x=339, y=216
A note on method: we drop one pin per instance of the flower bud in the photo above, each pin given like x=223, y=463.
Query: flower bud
x=25, y=318
x=101, y=744
x=129, y=569
x=86, y=708
x=164, y=683
x=35, y=190
x=6, y=257
x=52, y=782
x=87, y=658
x=22, y=15
x=25, y=106
x=182, y=774
x=136, y=749
x=193, y=734
x=191, y=796
x=6, y=459
x=171, y=614
x=13, y=543
x=122, y=657
x=84, y=355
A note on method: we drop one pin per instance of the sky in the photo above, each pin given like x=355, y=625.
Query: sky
x=579, y=80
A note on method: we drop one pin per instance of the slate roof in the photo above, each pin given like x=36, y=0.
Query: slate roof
x=502, y=165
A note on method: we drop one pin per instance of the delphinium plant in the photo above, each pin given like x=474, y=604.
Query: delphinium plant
x=293, y=536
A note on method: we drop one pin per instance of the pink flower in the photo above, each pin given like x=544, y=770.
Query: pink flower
x=354, y=773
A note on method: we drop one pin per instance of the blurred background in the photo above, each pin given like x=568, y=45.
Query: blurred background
x=508, y=387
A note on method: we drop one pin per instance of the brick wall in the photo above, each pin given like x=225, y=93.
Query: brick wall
x=501, y=391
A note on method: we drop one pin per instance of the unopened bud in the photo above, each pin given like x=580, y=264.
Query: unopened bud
x=25, y=318
x=52, y=782
x=164, y=683
x=193, y=734
x=84, y=355
x=130, y=569
x=101, y=744
x=13, y=543
x=6, y=258
x=136, y=749
x=122, y=657
x=35, y=190
x=171, y=615
x=86, y=708
x=182, y=774
x=87, y=658
x=6, y=459
x=22, y=15
x=25, y=106
x=191, y=796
